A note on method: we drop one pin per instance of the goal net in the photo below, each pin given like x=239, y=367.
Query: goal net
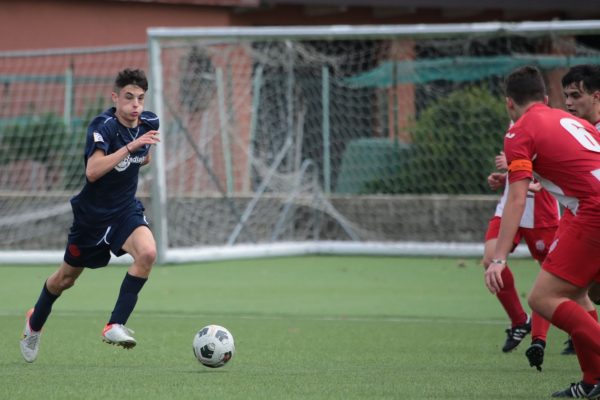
x=353, y=139
x=279, y=141
x=47, y=99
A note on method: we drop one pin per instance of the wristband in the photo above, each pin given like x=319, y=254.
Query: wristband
x=498, y=261
x=127, y=147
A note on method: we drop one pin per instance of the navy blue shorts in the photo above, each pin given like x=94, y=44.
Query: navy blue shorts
x=90, y=247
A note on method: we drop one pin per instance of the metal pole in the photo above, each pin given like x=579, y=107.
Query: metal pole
x=225, y=145
x=326, y=129
x=159, y=181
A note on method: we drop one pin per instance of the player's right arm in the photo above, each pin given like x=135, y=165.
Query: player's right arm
x=518, y=146
x=496, y=180
x=511, y=218
x=99, y=164
x=500, y=161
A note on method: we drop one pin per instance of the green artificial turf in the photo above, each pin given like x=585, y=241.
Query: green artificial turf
x=305, y=328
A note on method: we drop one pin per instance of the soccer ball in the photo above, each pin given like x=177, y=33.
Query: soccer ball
x=213, y=346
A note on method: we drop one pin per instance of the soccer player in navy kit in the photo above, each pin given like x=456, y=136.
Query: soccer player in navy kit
x=107, y=215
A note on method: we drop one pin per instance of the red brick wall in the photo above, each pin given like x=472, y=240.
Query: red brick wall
x=28, y=24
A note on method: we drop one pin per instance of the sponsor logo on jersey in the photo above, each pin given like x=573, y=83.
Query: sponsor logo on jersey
x=509, y=135
x=540, y=245
x=126, y=162
x=98, y=137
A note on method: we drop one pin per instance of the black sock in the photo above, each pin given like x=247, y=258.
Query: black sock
x=42, y=309
x=128, y=296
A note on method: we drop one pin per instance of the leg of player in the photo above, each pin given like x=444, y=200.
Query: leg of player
x=570, y=347
x=539, y=332
x=509, y=298
x=594, y=295
x=62, y=279
x=566, y=306
x=538, y=241
x=142, y=247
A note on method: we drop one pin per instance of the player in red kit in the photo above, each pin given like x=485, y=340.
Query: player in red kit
x=563, y=153
x=537, y=228
x=581, y=89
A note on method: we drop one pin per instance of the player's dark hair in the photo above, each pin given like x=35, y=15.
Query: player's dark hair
x=587, y=74
x=592, y=82
x=135, y=77
x=525, y=85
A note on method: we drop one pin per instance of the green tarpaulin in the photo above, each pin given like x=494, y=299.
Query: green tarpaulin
x=456, y=69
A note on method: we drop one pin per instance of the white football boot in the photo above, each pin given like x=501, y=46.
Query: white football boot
x=30, y=344
x=119, y=335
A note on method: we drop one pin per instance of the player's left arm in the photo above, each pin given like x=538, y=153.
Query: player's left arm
x=147, y=159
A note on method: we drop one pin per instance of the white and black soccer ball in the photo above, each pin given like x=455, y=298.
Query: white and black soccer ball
x=213, y=346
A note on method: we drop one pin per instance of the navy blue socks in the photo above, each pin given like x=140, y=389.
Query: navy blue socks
x=42, y=309
x=131, y=286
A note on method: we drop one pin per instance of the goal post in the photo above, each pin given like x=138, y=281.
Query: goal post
x=340, y=139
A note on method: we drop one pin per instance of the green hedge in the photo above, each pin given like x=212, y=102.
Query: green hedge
x=46, y=139
x=454, y=141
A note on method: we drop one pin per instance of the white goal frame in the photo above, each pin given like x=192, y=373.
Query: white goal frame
x=159, y=198
x=321, y=32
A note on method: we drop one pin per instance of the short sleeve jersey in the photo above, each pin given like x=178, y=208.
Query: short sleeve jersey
x=562, y=152
x=113, y=195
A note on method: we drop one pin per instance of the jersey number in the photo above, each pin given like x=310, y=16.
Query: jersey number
x=582, y=135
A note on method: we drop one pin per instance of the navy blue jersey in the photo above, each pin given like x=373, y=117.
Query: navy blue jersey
x=112, y=195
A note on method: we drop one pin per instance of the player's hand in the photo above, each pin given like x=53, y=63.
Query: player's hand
x=535, y=187
x=496, y=180
x=148, y=138
x=493, y=277
x=500, y=161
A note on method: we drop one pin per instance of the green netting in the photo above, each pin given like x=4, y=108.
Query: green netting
x=456, y=69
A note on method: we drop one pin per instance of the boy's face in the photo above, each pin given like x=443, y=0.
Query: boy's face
x=129, y=102
x=578, y=102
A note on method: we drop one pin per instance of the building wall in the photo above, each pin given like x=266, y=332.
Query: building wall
x=29, y=24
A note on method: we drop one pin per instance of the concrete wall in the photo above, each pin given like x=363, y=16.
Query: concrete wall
x=210, y=221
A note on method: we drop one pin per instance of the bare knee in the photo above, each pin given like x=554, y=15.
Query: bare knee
x=532, y=301
x=145, y=259
x=57, y=283
x=539, y=302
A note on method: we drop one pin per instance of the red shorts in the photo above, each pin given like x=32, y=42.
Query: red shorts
x=538, y=240
x=575, y=254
